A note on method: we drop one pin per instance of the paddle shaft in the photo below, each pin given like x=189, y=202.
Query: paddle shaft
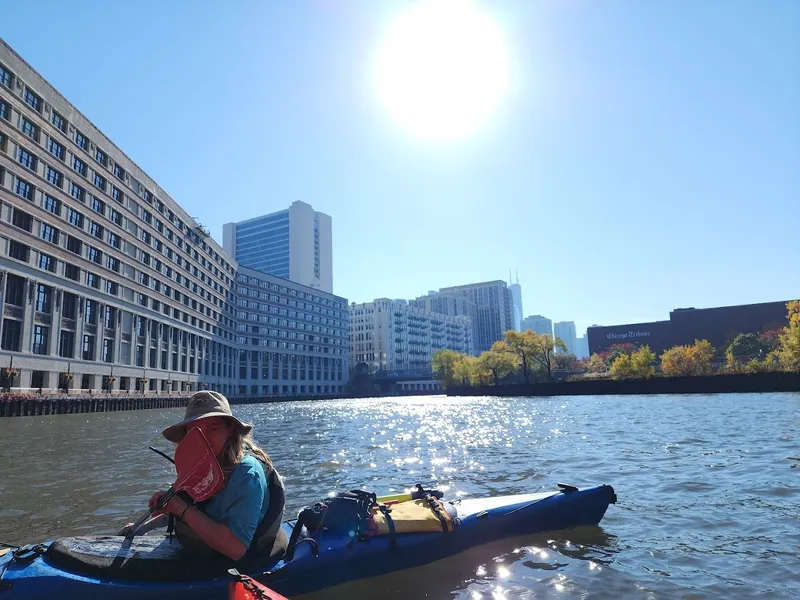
x=161, y=503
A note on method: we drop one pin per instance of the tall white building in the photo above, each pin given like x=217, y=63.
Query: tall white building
x=538, y=324
x=295, y=244
x=566, y=331
x=393, y=335
x=516, y=299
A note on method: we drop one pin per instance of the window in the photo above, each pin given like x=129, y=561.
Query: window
x=47, y=263
x=93, y=280
x=44, y=295
x=24, y=189
x=6, y=76
x=81, y=140
x=54, y=177
x=146, y=237
x=146, y=216
x=33, y=100
x=96, y=230
x=66, y=345
x=56, y=149
x=95, y=255
x=112, y=288
x=49, y=234
x=18, y=251
x=72, y=272
x=15, y=290
x=144, y=278
x=59, y=122
x=77, y=191
x=5, y=109
x=75, y=218
x=26, y=159
x=117, y=194
x=78, y=165
x=119, y=172
x=100, y=181
x=108, y=350
x=115, y=218
x=74, y=245
x=113, y=264
x=29, y=129
x=22, y=220
x=101, y=157
x=142, y=300
x=113, y=240
x=98, y=205
x=88, y=347
x=12, y=335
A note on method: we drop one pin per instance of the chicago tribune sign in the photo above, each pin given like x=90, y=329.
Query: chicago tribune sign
x=629, y=335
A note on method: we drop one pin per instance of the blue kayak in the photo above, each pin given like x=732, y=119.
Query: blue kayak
x=154, y=566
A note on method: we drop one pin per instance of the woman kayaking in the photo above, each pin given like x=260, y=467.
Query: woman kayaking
x=244, y=518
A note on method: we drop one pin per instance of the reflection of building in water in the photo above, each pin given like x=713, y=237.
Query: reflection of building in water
x=717, y=325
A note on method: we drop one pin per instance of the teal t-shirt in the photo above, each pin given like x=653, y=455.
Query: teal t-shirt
x=243, y=502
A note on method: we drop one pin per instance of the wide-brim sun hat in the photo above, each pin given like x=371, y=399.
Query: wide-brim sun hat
x=202, y=405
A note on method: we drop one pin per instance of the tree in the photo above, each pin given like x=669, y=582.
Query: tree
x=744, y=348
x=637, y=365
x=618, y=350
x=566, y=362
x=596, y=363
x=444, y=365
x=788, y=351
x=464, y=369
x=688, y=360
x=533, y=351
x=499, y=361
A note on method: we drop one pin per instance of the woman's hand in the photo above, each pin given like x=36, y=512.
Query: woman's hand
x=175, y=505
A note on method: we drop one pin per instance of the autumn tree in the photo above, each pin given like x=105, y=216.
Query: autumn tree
x=566, y=362
x=788, y=351
x=499, y=361
x=464, y=369
x=696, y=359
x=637, y=365
x=744, y=348
x=444, y=366
x=596, y=363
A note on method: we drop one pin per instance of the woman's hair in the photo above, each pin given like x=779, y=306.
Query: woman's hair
x=237, y=445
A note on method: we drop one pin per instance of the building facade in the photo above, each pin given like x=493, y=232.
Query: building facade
x=494, y=312
x=393, y=335
x=295, y=244
x=582, y=347
x=566, y=331
x=107, y=283
x=720, y=326
x=516, y=299
x=538, y=324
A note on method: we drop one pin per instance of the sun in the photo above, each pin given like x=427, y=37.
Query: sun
x=442, y=69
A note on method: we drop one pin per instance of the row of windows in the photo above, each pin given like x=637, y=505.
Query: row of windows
x=82, y=141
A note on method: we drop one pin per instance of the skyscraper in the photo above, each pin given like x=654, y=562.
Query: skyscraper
x=538, y=324
x=566, y=331
x=582, y=347
x=493, y=311
x=516, y=297
x=294, y=244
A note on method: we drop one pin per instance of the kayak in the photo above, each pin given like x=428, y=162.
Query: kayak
x=154, y=566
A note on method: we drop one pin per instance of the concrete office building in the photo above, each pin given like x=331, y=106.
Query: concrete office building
x=582, y=347
x=104, y=277
x=494, y=313
x=294, y=244
x=538, y=324
x=566, y=331
x=392, y=335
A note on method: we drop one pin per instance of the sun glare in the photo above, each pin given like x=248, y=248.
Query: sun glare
x=442, y=68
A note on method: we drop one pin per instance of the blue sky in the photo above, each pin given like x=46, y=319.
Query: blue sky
x=646, y=155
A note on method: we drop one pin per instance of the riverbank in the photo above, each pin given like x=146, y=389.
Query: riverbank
x=734, y=383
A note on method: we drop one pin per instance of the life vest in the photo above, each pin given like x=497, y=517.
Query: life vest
x=267, y=530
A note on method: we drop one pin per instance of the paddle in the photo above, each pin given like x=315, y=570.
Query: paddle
x=199, y=474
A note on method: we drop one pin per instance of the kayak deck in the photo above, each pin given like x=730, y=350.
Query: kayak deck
x=152, y=567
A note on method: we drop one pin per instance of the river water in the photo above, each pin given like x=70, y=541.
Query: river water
x=708, y=486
